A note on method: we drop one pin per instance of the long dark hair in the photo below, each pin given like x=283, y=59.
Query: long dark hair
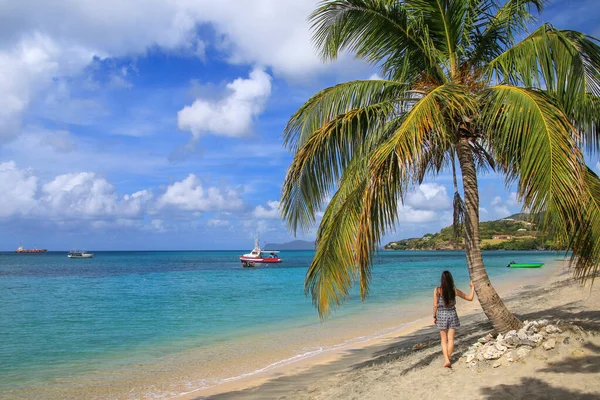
x=447, y=288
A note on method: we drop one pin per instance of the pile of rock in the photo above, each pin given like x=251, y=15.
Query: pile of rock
x=513, y=345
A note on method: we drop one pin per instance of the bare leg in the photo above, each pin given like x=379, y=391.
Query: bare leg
x=444, y=338
x=451, y=333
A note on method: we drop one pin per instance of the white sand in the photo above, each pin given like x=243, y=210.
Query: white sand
x=408, y=365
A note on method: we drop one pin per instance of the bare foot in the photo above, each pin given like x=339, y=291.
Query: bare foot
x=448, y=364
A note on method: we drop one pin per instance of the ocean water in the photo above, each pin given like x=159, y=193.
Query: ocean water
x=73, y=328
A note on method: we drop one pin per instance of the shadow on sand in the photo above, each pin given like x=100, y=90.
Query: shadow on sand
x=533, y=389
x=426, y=341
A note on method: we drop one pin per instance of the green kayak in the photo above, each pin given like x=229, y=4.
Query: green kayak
x=525, y=265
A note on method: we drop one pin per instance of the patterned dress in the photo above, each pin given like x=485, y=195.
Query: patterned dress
x=446, y=315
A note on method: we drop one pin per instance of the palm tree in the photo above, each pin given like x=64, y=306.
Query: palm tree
x=457, y=85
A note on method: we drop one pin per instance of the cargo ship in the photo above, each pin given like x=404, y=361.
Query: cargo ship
x=34, y=250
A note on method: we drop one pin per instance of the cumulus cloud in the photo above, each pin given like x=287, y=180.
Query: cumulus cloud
x=18, y=188
x=190, y=195
x=250, y=34
x=270, y=211
x=85, y=195
x=87, y=198
x=504, y=207
x=416, y=216
x=232, y=115
x=74, y=196
x=429, y=196
x=29, y=64
x=427, y=203
x=41, y=41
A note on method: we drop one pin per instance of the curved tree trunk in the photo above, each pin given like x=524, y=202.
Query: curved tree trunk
x=493, y=306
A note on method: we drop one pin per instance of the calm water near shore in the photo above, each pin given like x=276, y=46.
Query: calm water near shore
x=74, y=327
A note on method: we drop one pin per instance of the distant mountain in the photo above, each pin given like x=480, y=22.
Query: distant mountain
x=293, y=245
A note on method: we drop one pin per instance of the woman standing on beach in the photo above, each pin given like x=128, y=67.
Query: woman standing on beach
x=444, y=312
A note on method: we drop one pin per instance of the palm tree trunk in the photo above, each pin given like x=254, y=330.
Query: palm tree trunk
x=493, y=306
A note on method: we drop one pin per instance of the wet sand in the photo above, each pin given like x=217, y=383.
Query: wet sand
x=407, y=364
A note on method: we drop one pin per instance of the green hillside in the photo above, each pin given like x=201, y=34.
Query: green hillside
x=516, y=232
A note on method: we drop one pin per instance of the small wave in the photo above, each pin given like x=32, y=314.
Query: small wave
x=299, y=357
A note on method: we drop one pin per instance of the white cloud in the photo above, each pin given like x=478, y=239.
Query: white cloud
x=29, y=64
x=264, y=32
x=598, y=166
x=233, y=115
x=512, y=199
x=416, y=216
x=427, y=203
x=85, y=199
x=41, y=40
x=189, y=195
x=85, y=195
x=503, y=208
x=18, y=188
x=73, y=196
x=271, y=211
x=429, y=196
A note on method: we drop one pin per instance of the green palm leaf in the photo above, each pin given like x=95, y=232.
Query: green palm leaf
x=376, y=31
x=348, y=114
x=534, y=143
x=333, y=269
x=564, y=63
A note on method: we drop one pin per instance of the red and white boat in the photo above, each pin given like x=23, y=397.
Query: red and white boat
x=258, y=256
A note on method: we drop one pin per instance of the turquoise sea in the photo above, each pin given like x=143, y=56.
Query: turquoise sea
x=67, y=324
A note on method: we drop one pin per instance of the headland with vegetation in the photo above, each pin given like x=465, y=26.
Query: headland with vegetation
x=515, y=232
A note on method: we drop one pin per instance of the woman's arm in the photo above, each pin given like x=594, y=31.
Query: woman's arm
x=435, y=305
x=464, y=296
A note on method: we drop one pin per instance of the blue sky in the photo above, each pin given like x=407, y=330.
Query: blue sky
x=153, y=124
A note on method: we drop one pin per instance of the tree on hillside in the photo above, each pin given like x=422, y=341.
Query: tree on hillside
x=456, y=85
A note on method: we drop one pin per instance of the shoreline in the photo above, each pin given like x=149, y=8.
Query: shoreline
x=291, y=367
x=253, y=357
x=402, y=366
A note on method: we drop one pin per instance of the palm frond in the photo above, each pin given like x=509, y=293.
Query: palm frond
x=537, y=146
x=564, y=63
x=321, y=159
x=333, y=269
x=400, y=162
x=428, y=125
x=585, y=258
x=379, y=214
x=495, y=27
x=329, y=103
x=445, y=21
x=375, y=31
x=534, y=144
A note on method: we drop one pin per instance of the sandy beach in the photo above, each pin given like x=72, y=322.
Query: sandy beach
x=407, y=364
